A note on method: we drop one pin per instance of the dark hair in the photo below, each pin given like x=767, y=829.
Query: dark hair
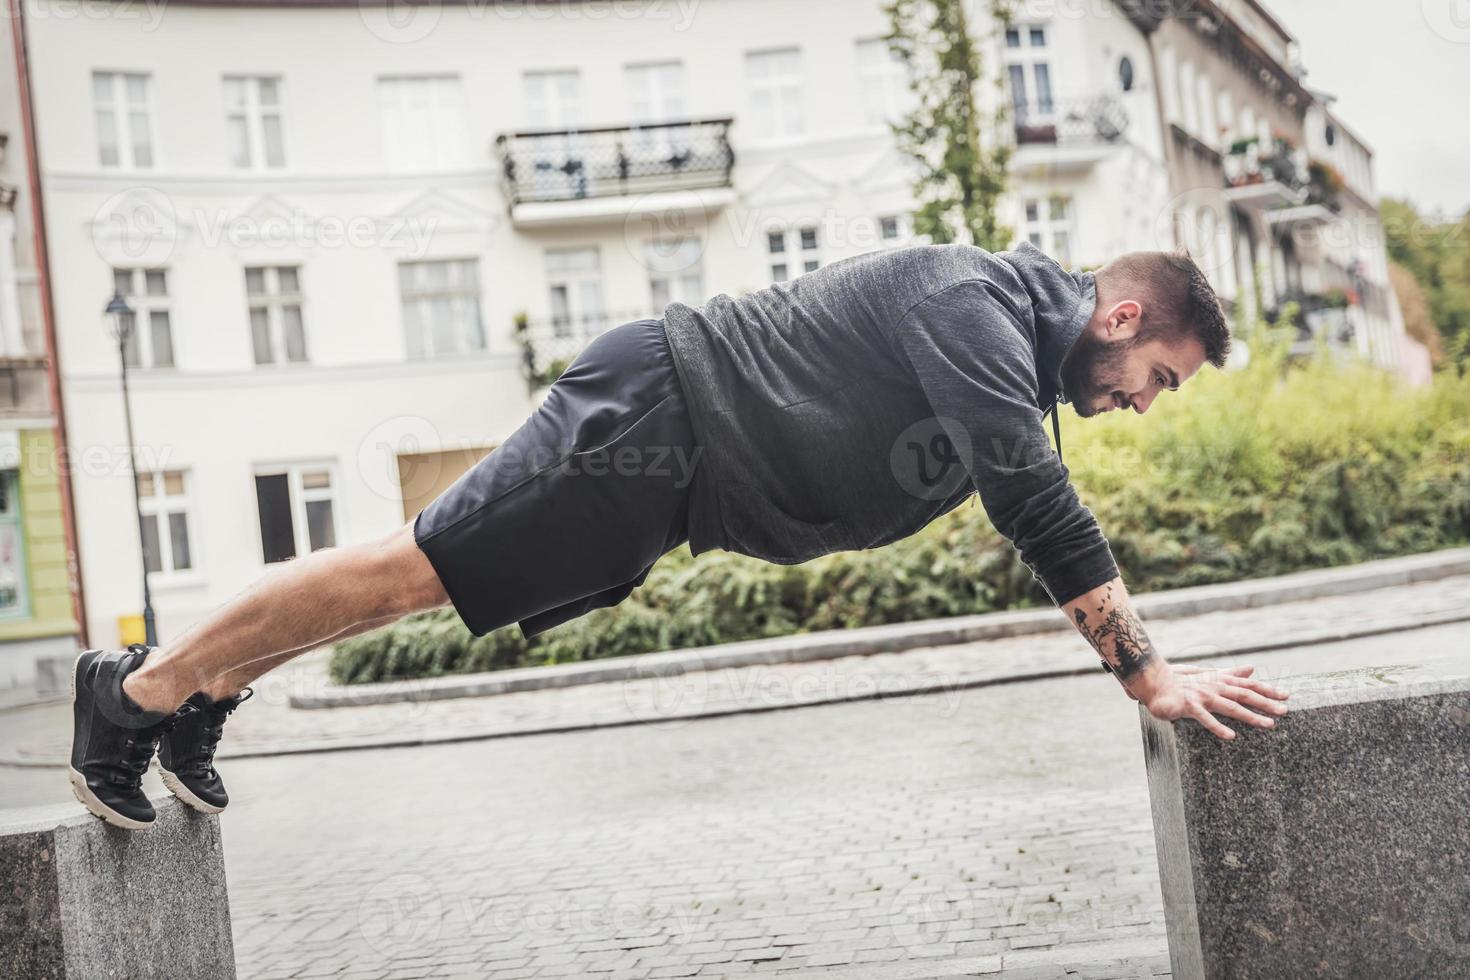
x=1176, y=297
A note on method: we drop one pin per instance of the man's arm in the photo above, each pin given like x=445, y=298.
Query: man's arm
x=1105, y=618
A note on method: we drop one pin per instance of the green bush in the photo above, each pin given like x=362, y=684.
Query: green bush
x=1247, y=473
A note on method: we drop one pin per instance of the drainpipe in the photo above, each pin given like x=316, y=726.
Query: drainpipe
x=16, y=9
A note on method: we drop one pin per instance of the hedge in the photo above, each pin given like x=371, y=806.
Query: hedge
x=1273, y=468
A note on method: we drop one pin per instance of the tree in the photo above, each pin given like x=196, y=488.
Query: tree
x=961, y=161
x=1437, y=252
x=1418, y=321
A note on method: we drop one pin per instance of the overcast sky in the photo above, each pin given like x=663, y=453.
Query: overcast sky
x=1401, y=72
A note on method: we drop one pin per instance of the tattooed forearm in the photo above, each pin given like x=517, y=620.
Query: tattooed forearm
x=1131, y=650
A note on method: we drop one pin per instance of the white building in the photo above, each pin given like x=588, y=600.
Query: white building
x=337, y=223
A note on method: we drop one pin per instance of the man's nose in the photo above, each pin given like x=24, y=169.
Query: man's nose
x=1142, y=401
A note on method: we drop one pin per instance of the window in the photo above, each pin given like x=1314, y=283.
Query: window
x=122, y=103
x=1048, y=226
x=422, y=122
x=1247, y=124
x=553, y=99
x=441, y=307
x=793, y=252
x=883, y=83
x=297, y=511
x=776, y=104
x=13, y=591
x=656, y=95
x=151, y=344
x=655, y=92
x=1189, y=107
x=554, y=102
x=1125, y=73
x=1028, y=67
x=1169, y=83
x=163, y=502
x=894, y=229
x=276, y=332
x=574, y=276
x=1209, y=126
x=253, y=119
x=675, y=272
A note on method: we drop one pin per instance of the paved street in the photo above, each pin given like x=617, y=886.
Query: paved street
x=933, y=829
x=962, y=833
x=268, y=725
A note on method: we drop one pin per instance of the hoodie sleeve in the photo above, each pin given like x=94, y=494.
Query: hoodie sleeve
x=969, y=351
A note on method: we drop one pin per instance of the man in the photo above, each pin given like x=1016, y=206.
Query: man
x=844, y=409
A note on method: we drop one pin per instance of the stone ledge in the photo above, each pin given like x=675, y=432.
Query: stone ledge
x=800, y=648
x=1335, y=845
x=82, y=899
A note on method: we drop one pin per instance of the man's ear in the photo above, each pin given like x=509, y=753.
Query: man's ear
x=1122, y=320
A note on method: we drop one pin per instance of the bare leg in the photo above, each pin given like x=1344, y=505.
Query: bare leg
x=229, y=684
x=294, y=609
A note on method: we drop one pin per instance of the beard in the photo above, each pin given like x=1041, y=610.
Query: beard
x=1091, y=370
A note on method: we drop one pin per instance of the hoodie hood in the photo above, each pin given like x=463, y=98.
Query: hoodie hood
x=1062, y=303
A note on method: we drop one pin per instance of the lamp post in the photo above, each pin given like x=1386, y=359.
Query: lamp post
x=124, y=322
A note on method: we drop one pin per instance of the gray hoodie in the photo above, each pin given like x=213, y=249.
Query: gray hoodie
x=850, y=407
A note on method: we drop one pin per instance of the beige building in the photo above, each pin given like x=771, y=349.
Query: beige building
x=1273, y=193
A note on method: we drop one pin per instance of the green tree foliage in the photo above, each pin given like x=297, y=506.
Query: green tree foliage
x=1437, y=252
x=961, y=162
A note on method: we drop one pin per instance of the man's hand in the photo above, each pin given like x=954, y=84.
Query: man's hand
x=1183, y=691
x=1105, y=617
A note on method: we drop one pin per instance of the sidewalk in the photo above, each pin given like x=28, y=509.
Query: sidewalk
x=268, y=726
x=1154, y=607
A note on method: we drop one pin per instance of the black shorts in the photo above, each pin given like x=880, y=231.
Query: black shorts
x=570, y=513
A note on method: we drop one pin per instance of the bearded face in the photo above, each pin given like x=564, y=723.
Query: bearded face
x=1095, y=373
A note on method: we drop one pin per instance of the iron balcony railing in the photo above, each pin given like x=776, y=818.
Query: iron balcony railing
x=1252, y=162
x=1098, y=119
x=572, y=164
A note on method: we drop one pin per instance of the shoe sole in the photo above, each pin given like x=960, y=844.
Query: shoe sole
x=79, y=786
x=176, y=787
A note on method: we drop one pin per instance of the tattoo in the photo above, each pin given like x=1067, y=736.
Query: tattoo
x=1132, y=649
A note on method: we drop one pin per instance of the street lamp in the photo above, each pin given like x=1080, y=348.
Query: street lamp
x=124, y=322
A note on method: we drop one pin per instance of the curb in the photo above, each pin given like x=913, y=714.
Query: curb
x=921, y=687
x=831, y=644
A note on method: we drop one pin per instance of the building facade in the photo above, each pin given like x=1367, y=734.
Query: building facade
x=343, y=269
x=38, y=620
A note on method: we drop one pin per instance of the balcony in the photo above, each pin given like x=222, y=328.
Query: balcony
x=24, y=387
x=572, y=176
x=1262, y=176
x=1067, y=134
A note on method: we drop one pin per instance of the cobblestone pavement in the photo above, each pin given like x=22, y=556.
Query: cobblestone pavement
x=268, y=725
x=1006, y=829
x=999, y=830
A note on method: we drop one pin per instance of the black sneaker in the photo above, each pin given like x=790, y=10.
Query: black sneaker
x=186, y=755
x=112, y=738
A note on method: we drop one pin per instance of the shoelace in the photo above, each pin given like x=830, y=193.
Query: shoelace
x=219, y=712
x=139, y=746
